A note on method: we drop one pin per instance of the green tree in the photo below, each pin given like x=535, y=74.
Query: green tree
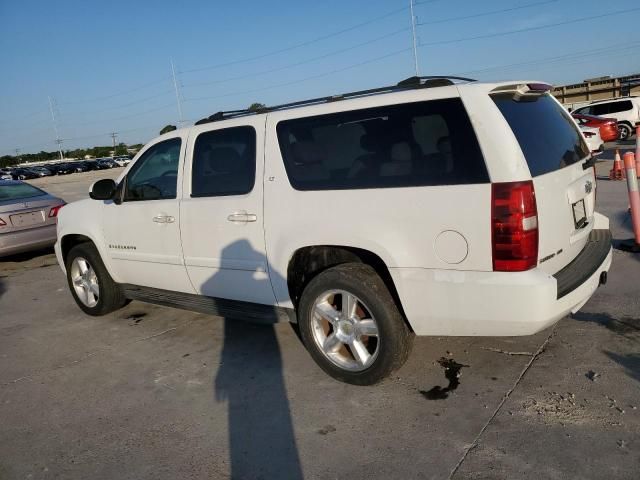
x=256, y=107
x=167, y=129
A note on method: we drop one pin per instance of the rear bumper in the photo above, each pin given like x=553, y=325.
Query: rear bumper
x=447, y=302
x=25, y=240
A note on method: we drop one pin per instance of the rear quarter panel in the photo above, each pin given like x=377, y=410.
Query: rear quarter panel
x=400, y=225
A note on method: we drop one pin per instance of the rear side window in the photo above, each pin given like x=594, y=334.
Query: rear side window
x=224, y=162
x=601, y=109
x=17, y=191
x=549, y=139
x=416, y=144
x=620, y=106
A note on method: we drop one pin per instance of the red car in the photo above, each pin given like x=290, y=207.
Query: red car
x=608, y=126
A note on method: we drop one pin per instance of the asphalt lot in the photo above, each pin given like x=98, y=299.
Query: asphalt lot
x=153, y=392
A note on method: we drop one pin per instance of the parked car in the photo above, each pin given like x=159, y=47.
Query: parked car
x=365, y=218
x=608, y=126
x=23, y=174
x=593, y=139
x=5, y=174
x=106, y=163
x=41, y=171
x=27, y=217
x=78, y=167
x=122, y=161
x=90, y=165
x=626, y=110
x=60, y=168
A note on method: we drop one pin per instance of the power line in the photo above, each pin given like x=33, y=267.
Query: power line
x=104, y=120
x=568, y=56
x=305, y=79
x=117, y=107
x=298, y=45
x=297, y=64
x=485, y=14
x=529, y=29
x=124, y=92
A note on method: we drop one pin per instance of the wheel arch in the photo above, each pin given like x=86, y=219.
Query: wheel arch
x=67, y=242
x=309, y=261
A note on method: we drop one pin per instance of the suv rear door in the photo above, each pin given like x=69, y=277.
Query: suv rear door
x=564, y=182
x=222, y=222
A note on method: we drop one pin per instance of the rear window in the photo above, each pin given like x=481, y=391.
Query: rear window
x=17, y=191
x=549, y=139
x=416, y=144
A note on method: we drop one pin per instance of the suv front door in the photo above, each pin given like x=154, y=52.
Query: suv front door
x=142, y=232
x=222, y=212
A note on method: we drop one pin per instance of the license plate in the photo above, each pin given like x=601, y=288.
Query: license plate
x=27, y=219
x=579, y=214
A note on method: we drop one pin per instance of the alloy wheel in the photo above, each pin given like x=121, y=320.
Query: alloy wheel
x=344, y=330
x=85, y=282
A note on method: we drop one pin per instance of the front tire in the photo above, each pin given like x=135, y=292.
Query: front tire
x=351, y=325
x=91, y=286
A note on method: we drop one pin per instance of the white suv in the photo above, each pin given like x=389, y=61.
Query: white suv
x=437, y=206
x=625, y=110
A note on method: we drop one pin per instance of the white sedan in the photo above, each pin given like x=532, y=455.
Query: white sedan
x=593, y=138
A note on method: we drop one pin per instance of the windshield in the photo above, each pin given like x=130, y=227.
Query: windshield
x=19, y=190
x=547, y=135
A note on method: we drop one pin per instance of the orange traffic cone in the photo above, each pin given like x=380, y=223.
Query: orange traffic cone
x=617, y=173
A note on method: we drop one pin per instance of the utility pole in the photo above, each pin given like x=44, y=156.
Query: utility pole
x=113, y=136
x=413, y=34
x=55, y=128
x=175, y=86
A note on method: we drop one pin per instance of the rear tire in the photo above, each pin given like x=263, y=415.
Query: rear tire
x=624, y=131
x=351, y=325
x=91, y=286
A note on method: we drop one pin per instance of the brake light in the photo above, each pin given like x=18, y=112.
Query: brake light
x=514, y=226
x=2, y=223
x=54, y=211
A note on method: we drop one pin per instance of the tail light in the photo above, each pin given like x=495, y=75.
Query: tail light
x=2, y=223
x=514, y=226
x=54, y=211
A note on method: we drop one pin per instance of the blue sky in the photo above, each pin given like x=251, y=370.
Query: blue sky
x=106, y=65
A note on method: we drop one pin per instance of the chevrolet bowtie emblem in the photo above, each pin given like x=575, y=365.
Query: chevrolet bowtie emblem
x=588, y=186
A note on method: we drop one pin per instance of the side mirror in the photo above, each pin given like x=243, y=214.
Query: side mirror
x=104, y=189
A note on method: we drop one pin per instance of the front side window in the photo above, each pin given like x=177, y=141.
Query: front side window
x=224, y=162
x=414, y=144
x=155, y=175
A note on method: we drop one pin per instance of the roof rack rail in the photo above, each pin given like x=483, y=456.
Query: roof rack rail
x=432, y=81
x=408, y=83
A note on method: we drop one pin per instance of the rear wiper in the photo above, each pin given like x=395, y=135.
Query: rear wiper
x=589, y=163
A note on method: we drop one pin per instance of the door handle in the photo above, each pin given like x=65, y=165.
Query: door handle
x=242, y=217
x=164, y=219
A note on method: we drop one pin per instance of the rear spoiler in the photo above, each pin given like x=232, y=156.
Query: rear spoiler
x=522, y=91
